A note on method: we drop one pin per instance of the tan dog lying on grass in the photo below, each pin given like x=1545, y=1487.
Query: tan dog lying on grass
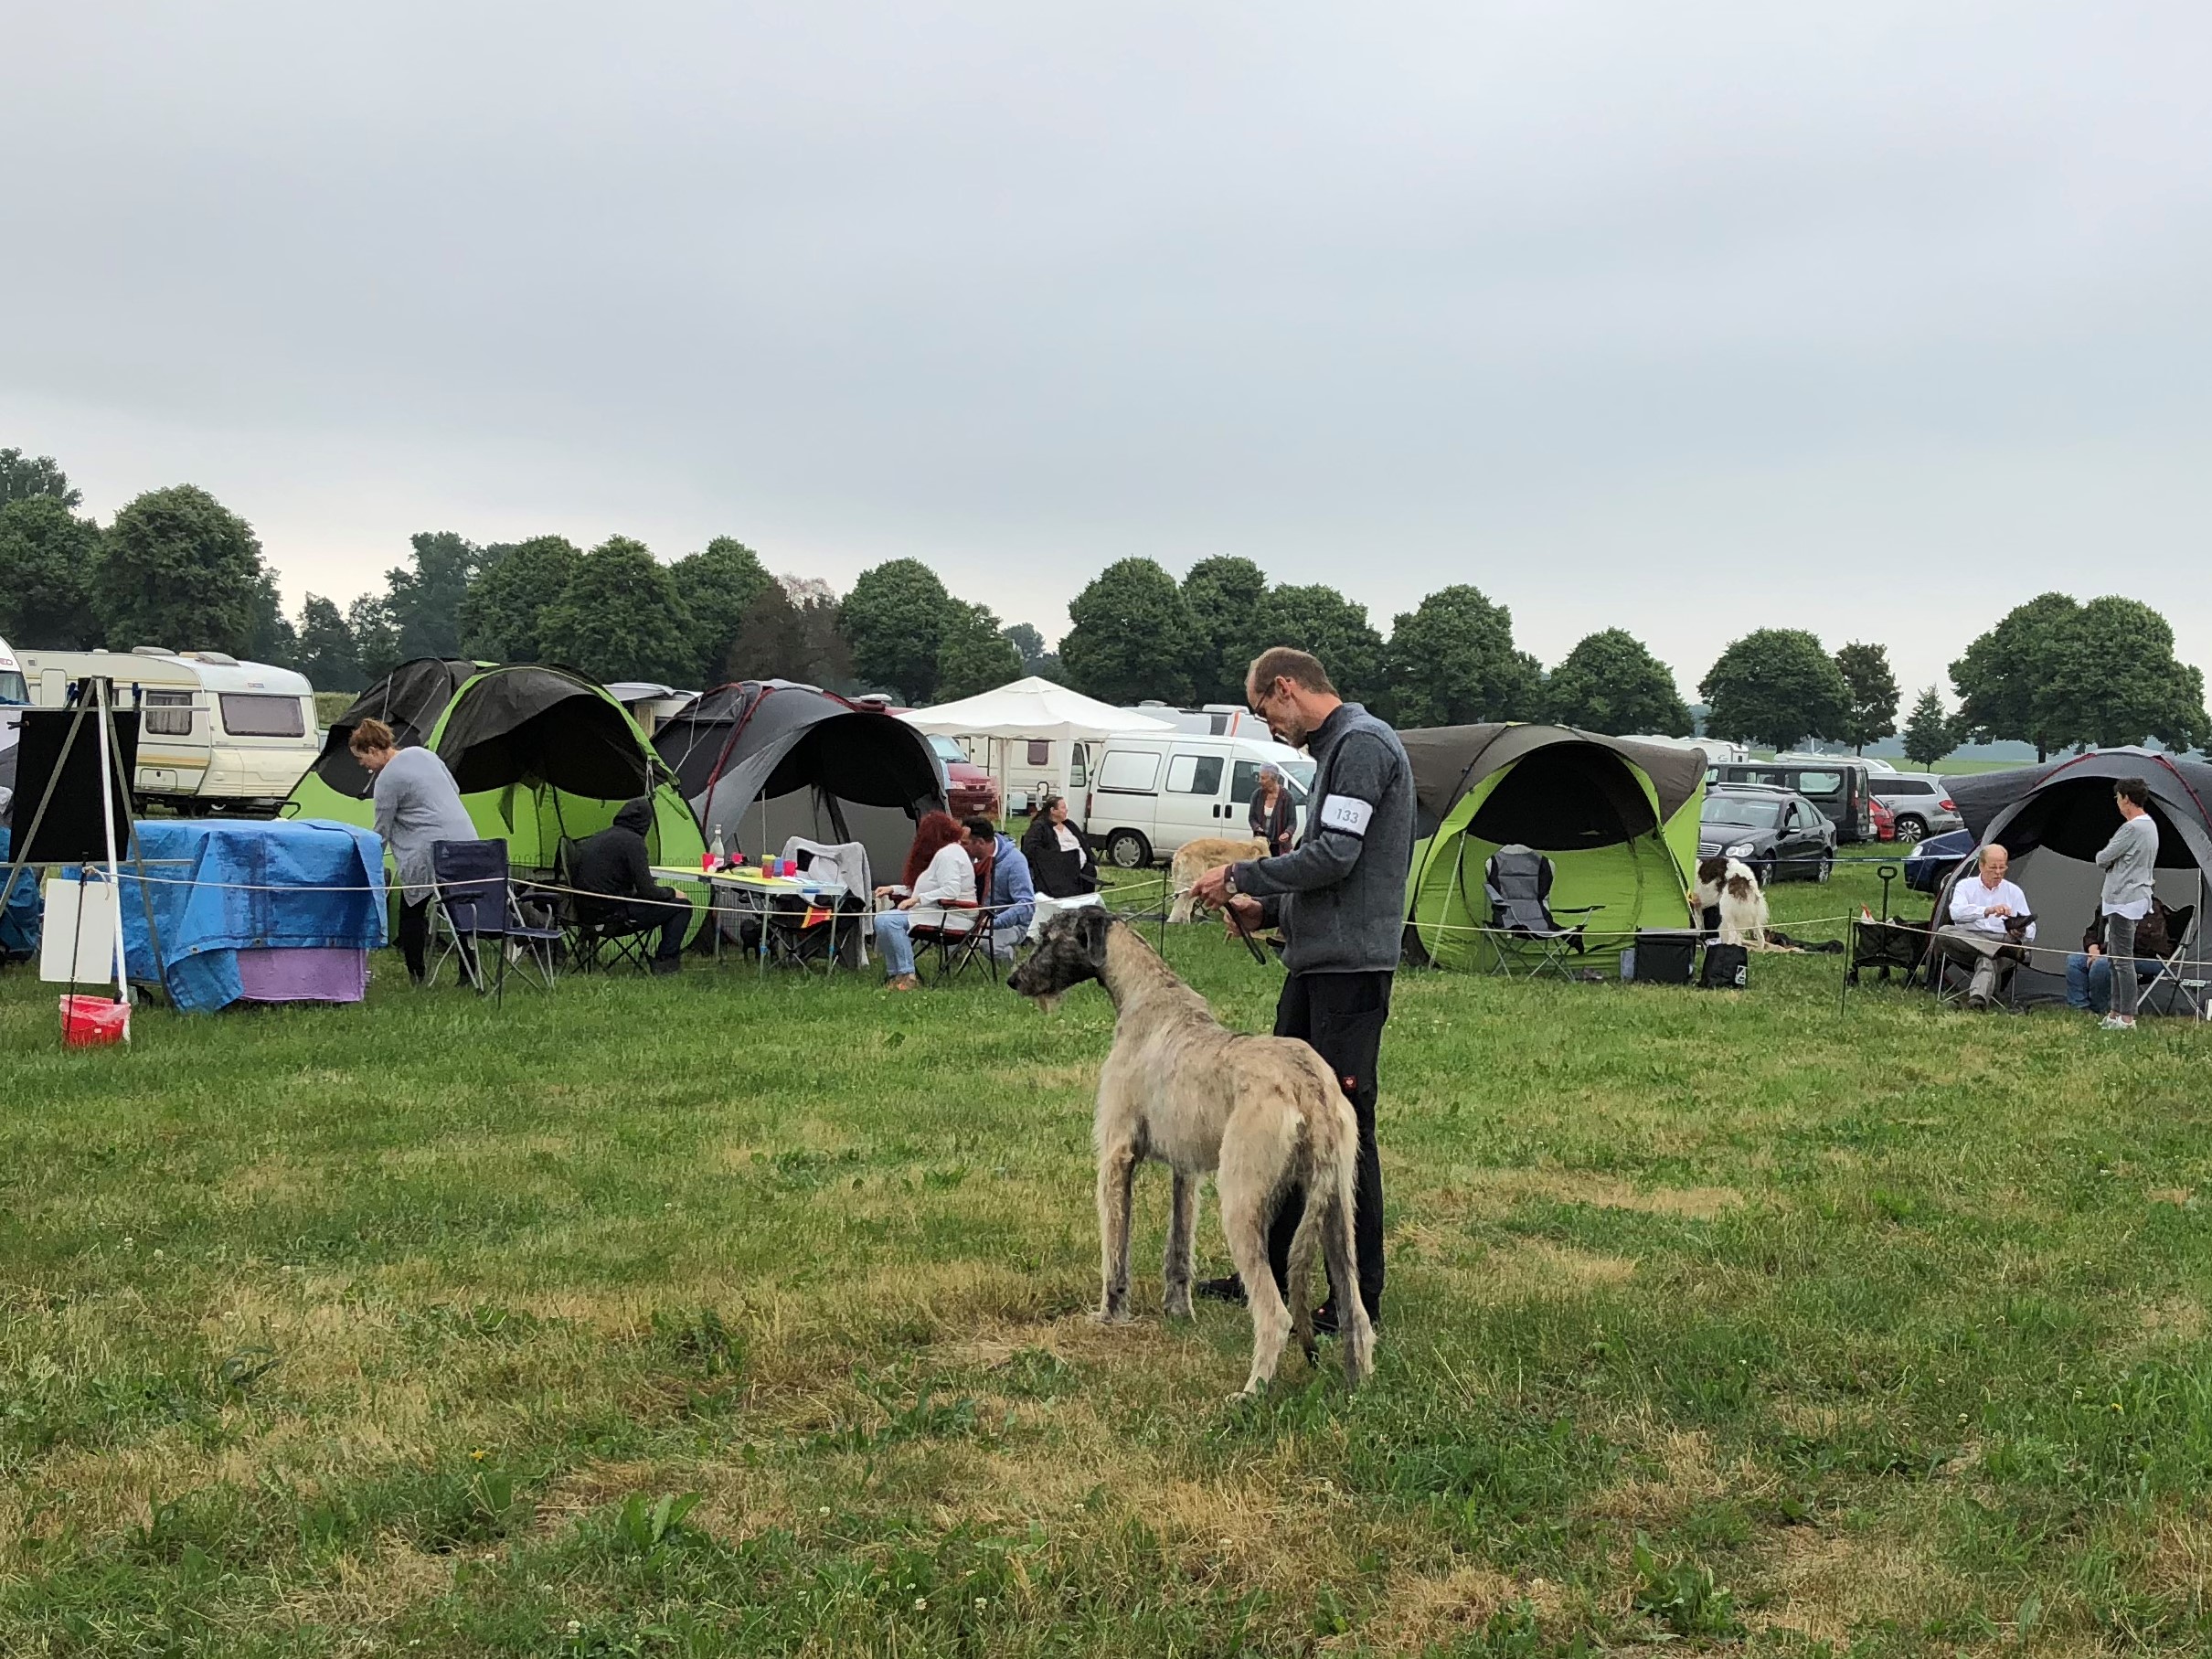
x=1194, y=858
x=1260, y=1114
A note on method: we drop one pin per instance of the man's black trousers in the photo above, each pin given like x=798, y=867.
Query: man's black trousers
x=1342, y=1015
x=615, y=916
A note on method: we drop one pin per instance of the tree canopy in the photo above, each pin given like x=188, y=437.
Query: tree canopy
x=36, y=478
x=1997, y=675
x=1451, y=662
x=1774, y=686
x=2111, y=678
x=620, y=617
x=974, y=656
x=790, y=633
x=895, y=620
x=178, y=569
x=719, y=584
x=47, y=560
x=1028, y=643
x=1870, y=694
x=327, y=654
x=1227, y=598
x=502, y=619
x=1929, y=733
x=1132, y=636
x=1316, y=618
x=1611, y=682
x=424, y=603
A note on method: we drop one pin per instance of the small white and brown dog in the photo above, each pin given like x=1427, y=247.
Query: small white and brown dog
x=1194, y=857
x=1728, y=886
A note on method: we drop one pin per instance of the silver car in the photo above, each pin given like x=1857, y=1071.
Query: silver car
x=1921, y=802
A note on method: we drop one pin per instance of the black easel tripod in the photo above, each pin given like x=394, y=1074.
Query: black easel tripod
x=93, y=696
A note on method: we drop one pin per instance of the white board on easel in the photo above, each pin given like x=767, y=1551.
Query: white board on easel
x=77, y=941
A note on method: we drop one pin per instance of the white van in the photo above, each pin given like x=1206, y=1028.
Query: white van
x=214, y=733
x=12, y=688
x=1149, y=795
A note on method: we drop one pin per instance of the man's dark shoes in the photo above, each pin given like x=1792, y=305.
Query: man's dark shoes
x=1230, y=1289
x=1325, y=1319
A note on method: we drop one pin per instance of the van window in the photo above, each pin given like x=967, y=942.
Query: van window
x=1129, y=770
x=1244, y=782
x=261, y=716
x=1818, y=783
x=165, y=714
x=1195, y=775
x=1040, y=751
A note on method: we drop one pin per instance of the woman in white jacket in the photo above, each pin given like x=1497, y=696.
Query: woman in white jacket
x=938, y=870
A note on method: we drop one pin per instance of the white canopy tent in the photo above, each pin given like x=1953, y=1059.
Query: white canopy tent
x=1032, y=710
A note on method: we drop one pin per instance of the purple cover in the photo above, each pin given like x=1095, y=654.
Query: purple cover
x=308, y=973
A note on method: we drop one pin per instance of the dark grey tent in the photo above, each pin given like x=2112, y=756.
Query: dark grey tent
x=409, y=700
x=763, y=760
x=2052, y=819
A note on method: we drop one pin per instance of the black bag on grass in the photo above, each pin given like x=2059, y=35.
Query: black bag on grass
x=1726, y=968
x=1665, y=956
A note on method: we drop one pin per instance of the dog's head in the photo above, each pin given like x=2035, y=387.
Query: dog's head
x=1071, y=950
x=1711, y=872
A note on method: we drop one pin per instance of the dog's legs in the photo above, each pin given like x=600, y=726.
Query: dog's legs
x=1304, y=1243
x=1244, y=1218
x=1340, y=1248
x=1117, y=1174
x=1182, y=1219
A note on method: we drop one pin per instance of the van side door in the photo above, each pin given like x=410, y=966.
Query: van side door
x=1195, y=793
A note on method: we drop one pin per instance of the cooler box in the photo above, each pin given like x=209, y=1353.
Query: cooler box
x=1664, y=956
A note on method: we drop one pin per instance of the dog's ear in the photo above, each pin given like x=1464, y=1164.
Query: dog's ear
x=1092, y=925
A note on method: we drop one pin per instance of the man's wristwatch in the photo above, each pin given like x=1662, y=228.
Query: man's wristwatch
x=1228, y=880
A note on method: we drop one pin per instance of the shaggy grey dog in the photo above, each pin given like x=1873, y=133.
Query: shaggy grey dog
x=1261, y=1115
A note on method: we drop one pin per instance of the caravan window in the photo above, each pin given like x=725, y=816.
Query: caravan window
x=1079, y=772
x=246, y=715
x=1130, y=770
x=1040, y=751
x=1195, y=775
x=165, y=714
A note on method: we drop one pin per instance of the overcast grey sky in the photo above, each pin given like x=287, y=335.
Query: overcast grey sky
x=1688, y=319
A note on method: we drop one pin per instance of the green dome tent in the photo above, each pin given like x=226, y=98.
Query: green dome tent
x=1617, y=818
x=540, y=754
x=409, y=700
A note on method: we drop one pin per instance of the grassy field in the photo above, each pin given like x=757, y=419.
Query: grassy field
x=729, y=1316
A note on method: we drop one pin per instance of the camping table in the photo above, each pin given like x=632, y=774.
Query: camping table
x=751, y=891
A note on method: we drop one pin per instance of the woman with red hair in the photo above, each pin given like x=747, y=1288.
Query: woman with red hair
x=938, y=868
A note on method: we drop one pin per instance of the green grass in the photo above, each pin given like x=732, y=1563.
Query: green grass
x=724, y=1316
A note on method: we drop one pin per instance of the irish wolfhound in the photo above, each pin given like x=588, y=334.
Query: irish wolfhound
x=1194, y=858
x=1259, y=1113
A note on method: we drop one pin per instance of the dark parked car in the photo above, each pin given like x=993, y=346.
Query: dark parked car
x=1921, y=802
x=1779, y=833
x=1840, y=785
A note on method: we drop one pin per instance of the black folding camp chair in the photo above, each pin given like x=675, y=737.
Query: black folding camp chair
x=1895, y=946
x=473, y=903
x=601, y=933
x=2171, y=975
x=1525, y=930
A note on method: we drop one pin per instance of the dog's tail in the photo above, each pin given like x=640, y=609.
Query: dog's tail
x=1331, y=1176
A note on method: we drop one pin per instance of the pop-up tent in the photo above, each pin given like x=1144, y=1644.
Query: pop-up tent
x=1031, y=710
x=2052, y=819
x=540, y=754
x=763, y=760
x=409, y=700
x=1618, y=819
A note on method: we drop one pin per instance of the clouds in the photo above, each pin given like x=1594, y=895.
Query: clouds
x=1388, y=298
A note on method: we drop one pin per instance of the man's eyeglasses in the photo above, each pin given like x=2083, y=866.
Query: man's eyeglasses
x=1261, y=700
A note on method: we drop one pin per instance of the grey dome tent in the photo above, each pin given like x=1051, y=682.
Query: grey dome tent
x=763, y=760
x=2053, y=818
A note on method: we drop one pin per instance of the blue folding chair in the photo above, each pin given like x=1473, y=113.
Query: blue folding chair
x=474, y=901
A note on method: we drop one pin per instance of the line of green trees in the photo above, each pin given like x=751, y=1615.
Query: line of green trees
x=177, y=568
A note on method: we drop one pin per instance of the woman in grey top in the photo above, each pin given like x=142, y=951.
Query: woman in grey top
x=2130, y=863
x=417, y=806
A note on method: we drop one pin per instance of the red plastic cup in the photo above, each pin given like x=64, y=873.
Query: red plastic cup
x=92, y=1022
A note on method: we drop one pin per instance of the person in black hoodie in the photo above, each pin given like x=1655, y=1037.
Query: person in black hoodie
x=613, y=863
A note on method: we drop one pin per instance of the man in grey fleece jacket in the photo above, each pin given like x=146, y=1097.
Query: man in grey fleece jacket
x=2130, y=863
x=1340, y=900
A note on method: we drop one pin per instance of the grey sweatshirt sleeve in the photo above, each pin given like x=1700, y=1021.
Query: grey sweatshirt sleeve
x=1361, y=775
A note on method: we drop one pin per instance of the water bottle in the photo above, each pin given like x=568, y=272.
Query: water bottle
x=716, y=855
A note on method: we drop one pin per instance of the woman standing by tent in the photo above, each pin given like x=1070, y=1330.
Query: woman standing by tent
x=417, y=807
x=1272, y=817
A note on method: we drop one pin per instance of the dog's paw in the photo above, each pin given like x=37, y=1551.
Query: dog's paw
x=1178, y=1308
x=1110, y=1316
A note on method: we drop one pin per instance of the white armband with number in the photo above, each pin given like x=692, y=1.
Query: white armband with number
x=1346, y=813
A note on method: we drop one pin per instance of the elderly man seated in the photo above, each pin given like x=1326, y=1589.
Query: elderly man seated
x=1989, y=921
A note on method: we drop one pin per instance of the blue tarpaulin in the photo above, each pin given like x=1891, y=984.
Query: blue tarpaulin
x=19, y=915
x=219, y=887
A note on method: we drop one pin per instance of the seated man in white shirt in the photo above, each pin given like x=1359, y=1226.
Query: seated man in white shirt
x=1986, y=926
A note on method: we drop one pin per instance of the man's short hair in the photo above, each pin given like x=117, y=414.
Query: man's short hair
x=369, y=737
x=2135, y=789
x=982, y=829
x=1981, y=858
x=1302, y=669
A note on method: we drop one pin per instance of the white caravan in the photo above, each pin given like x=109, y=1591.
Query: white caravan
x=214, y=733
x=1149, y=795
x=1210, y=720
